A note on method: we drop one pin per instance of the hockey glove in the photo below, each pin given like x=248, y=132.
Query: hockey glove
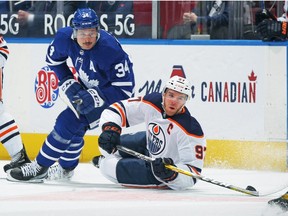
x=270, y=30
x=161, y=171
x=263, y=14
x=68, y=88
x=87, y=100
x=110, y=137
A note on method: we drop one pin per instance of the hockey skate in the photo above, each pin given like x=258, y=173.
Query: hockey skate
x=29, y=172
x=18, y=160
x=96, y=160
x=281, y=202
x=57, y=173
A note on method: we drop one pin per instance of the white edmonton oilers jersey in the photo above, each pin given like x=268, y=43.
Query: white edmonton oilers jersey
x=179, y=137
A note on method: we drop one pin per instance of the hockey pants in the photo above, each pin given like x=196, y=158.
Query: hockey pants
x=126, y=169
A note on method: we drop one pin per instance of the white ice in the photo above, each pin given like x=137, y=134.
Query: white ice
x=89, y=193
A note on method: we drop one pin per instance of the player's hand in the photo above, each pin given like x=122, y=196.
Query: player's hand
x=87, y=100
x=161, y=171
x=189, y=17
x=23, y=17
x=270, y=30
x=70, y=88
x=110, y=137
x=263, y=14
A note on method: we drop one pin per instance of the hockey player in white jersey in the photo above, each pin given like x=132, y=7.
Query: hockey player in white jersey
x=9, y=131
x=172, y=137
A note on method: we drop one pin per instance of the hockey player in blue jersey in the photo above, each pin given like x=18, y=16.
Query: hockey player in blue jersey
x=172, y=137
x=104, y=76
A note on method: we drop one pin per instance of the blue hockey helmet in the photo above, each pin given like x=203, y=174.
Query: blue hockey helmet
x=85, y=18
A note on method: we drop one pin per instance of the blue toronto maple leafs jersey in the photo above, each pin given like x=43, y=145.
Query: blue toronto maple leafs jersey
x=106, y=65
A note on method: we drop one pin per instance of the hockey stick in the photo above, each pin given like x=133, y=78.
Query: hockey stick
x=249, y=190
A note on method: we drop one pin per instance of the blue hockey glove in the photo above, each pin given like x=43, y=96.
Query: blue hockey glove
x=161, y=171
x=110, y=137
x=68, y=88
x=87, y=100
x=80, y=100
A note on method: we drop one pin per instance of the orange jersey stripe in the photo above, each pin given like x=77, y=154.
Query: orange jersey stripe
x=151, y=104
x=4, y=50
x=193, y=169
x=189, y=134
x=8, y=130
x=123, y=116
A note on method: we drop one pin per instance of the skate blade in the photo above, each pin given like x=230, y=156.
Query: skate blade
x=28, y=181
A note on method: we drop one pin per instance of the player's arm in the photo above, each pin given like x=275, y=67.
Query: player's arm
x=189, y=160
x=117, y=116
x=269, y=28
x=120, y=78
x=4, y=53
x=1, y=85
x=56, y=57
x=191, y=145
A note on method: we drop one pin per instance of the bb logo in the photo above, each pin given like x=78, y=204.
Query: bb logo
x=46, y=87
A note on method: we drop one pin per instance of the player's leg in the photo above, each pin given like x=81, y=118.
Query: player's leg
x=57, y=142
x=11, y=140
x=64, y=170
x=132, y=171
x=136, y=142
x=125, y=169
x=137, y=172
x=128, y=171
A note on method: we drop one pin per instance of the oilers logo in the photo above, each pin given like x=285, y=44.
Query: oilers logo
x=156, y=139
x=46, y=87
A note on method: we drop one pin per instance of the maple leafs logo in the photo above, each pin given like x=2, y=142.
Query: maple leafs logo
x=85, y=79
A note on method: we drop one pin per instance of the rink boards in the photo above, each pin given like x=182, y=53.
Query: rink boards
x=239, y=95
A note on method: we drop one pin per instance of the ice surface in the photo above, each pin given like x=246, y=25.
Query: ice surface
x=89, y=193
